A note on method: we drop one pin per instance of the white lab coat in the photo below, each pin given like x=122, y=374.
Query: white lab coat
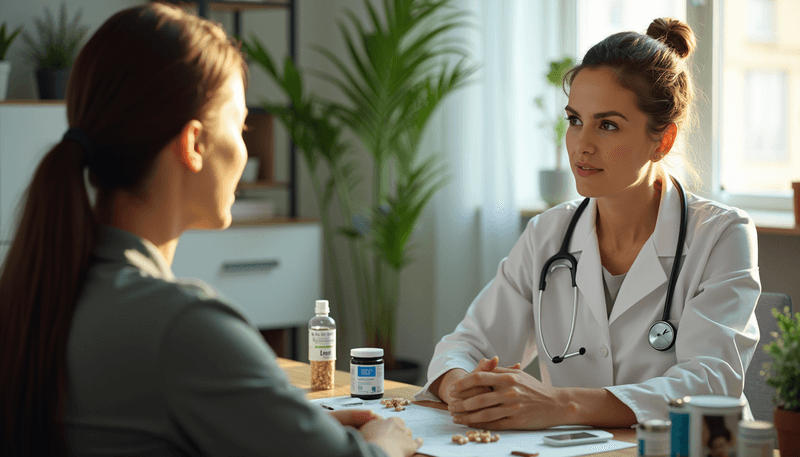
x=713, y=309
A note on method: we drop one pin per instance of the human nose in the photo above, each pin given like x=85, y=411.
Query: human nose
x=583, y=141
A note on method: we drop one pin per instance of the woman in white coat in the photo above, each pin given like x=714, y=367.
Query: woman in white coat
x=628, y=99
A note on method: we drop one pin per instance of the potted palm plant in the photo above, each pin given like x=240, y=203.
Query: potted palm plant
x=54, y=50
x=400, y=65
x=555, y=185
x=5, y=66
x=783, y=373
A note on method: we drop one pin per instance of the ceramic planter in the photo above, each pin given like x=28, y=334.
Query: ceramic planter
x=556, y=186
x=53, y=83
x=5, y=69
x=787, y=426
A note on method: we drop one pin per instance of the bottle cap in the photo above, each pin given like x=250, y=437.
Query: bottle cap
x=655, y=425
x=756, y=429
x=322, y=307
x=367, y=353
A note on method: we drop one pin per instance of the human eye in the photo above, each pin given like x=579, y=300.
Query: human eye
x=607, y=125
x=574, y=120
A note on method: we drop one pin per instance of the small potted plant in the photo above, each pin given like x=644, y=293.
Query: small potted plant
x=783, y=373
x=53, y=53
x=5, y=66
x=556, y=185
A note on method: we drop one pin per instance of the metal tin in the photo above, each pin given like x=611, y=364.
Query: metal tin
x=653, y=438
x=713, y=424
x=366, y=373
x=756, y=439
x=679, y=432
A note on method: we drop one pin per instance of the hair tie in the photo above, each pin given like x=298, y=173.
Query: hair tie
x=79, y=136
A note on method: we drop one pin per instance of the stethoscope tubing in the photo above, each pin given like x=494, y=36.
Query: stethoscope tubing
x=572, y=265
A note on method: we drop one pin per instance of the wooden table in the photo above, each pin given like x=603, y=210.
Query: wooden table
x=300, y=376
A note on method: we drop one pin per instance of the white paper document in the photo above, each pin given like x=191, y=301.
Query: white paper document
x=436, y=427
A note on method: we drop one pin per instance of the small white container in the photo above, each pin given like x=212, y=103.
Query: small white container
x=756, y=439
x=653, y=438
x=713, y=424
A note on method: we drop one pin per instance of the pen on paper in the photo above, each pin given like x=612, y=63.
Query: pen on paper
x=353, y=404
x=326, y=406
x=524, y=454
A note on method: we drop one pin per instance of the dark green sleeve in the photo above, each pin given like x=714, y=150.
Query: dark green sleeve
x=227, y=395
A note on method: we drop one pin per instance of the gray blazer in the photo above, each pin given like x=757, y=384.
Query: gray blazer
x=165, y=367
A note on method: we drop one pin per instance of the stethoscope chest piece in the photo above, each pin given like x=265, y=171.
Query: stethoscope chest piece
x=661, y=335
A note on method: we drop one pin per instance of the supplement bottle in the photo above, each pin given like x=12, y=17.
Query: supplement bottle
x=653, y=438
x=366, y=373
x=322, y=347
x=756, y=439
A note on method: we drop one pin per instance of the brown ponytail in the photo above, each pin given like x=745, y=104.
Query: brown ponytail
x=144, y=74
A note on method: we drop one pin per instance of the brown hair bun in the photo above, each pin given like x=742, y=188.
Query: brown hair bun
x=675, y=34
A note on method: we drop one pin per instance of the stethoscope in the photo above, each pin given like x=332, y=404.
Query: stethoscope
x=661, y=334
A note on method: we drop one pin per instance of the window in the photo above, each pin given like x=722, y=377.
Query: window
x=761, y=16
x=753, y=154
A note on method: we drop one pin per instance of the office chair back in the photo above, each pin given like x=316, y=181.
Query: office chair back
x=759, y=393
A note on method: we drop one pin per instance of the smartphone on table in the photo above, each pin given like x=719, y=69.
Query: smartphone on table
x=576, y=438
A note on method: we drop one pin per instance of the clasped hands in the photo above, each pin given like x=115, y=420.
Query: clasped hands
x=501, y=398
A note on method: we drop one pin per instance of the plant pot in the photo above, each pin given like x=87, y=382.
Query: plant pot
x=5, y=70
x=556, y=186
x=53, y=83
x=406, y=371
x=787, y=427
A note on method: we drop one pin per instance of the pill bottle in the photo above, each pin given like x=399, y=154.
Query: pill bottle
x=756, y=439
x=713, y=423
x=366, y=373
x=322, y=347
x=653, y=438
x=679, y=432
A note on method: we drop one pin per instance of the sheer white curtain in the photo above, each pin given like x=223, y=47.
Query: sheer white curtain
x=490, y=136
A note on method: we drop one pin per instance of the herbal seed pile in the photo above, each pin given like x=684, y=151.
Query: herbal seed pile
x=484, y=436
x=399, y=404
x=322, y=373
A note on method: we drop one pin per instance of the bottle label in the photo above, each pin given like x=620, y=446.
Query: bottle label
x=321, y=345
x=366, y=379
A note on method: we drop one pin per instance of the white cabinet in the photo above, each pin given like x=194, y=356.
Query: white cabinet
x=273, y=271
x=27, y=132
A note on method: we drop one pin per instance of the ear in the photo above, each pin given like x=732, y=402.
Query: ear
x=186, y=147
x=666, y=143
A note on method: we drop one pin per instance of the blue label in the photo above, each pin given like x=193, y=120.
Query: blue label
x=366, y=371
x=679, y=435
x=641, y=448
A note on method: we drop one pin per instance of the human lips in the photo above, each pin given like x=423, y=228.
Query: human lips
x=584, y=169
x=587, y=167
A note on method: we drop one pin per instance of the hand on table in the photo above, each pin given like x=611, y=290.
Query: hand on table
x=354, y=417
x=509, y=399
x=454, y=375
x=392, y=436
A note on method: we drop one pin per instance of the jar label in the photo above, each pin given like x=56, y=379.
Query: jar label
x=366, y=379
x=679, y=434
x=321, y=345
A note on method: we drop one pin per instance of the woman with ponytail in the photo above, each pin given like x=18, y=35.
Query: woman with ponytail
x=103, y=351
x=661, y=299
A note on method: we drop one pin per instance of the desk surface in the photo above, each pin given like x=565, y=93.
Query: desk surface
x=300, y=376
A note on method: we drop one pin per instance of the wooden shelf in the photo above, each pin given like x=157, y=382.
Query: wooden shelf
x=32, y=102
x=262, y=185
x=273, y=221
x=240, y=5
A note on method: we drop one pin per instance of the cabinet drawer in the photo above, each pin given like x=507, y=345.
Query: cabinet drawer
x=274, y=272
